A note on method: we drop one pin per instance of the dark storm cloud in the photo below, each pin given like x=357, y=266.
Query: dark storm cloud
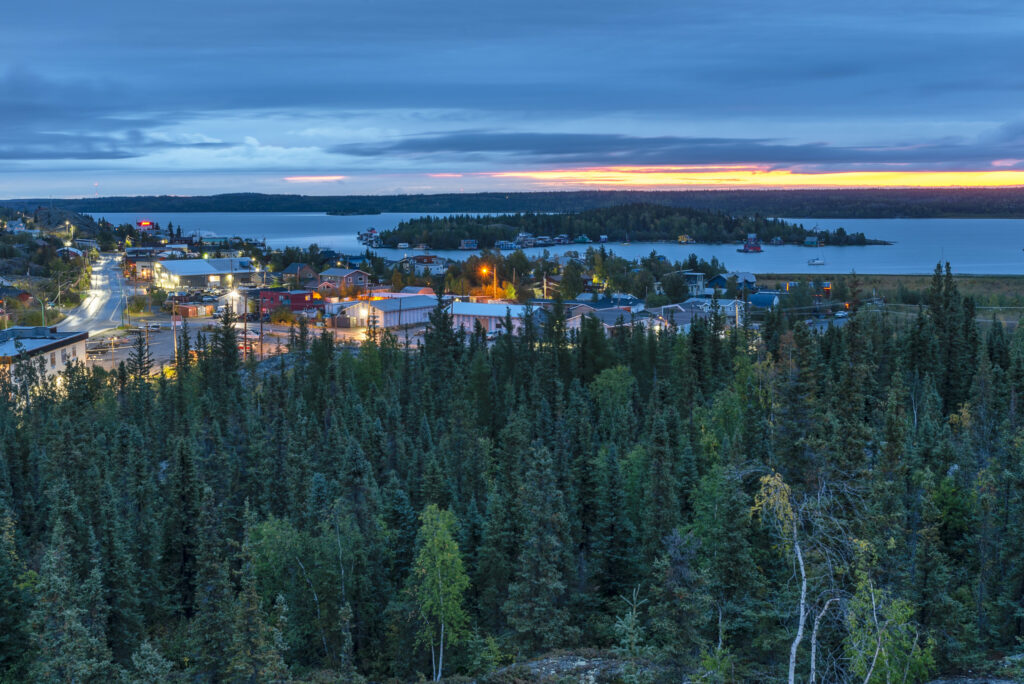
x=597, y=149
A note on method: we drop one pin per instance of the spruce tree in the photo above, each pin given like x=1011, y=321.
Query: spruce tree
x=536, y=605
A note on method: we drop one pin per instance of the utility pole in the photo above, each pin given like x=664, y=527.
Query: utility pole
x=245, y=325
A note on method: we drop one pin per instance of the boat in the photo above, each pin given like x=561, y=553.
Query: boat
x=816, y=261
x=751, y=246
x=403, y=245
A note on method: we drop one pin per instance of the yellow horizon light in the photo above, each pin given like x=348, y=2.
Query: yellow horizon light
x=748, y=175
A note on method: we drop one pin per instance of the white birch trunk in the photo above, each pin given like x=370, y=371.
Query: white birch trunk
x=803, y=608
x=814, y=640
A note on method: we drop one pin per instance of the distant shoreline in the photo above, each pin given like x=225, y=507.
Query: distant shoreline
x=839, y=203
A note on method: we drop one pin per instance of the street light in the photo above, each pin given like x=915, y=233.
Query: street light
x=483, y=271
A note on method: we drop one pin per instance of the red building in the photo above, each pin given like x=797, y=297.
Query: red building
x=295, y=300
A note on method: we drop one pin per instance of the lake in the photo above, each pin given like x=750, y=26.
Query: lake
x=972, y=246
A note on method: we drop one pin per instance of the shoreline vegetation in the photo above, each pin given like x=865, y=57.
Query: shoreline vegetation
x=819, y=203
x=633, y=222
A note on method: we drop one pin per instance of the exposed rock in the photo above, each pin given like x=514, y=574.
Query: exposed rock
x=46, y=217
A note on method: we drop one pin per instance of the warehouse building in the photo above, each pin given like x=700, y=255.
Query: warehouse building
x=199, y=274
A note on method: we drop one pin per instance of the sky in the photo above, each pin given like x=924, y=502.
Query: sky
x=338, y=97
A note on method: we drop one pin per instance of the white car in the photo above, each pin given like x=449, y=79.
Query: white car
x=842, y=314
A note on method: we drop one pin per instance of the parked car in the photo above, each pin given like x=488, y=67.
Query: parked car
x=842, y=314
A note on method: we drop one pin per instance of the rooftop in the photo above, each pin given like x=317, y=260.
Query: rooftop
x=404, y=303
x=195, y=267
x=474, y=309
x=26, y=339
x=341, y=272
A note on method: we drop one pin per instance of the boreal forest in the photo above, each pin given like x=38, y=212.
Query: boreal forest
x=841, y=203
x=639, y=222
x=715, y=506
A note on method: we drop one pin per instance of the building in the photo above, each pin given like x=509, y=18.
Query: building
x=612, y=320
x=296, y=301
x=418, y=290
x=425, y=265
x=596, y=302
x=394, y=312
x=70, y=253
x=764, y=299
x=745, y=281
x=732, y=310
x=694, y=281
x=299, y=273
x=490, y=316
x=34, y=343
x=10, y=292
x=345, y=278
x=202, y=273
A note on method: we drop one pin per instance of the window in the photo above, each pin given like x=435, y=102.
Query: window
x=53, y=359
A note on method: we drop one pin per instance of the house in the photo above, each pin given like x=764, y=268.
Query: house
x=345, y=278
x=16, y=225
x=491, y=316
x=812, y=241
x=612, y=320
x=391, y=313
x=296, y=301
x=299, y=273
x=55, y=349
x=694, y=281
x=682, y=315
x=468, y=244
x=202, y=273
x=10, y=292
x=745, y=281
x=734, y=310
x=613, y=301
x=425, y=265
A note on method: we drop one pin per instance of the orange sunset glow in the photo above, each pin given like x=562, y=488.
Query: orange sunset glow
x=762, y=176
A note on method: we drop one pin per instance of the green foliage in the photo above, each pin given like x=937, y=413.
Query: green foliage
x=438, y=583
x=637, y=222
x=242, y=522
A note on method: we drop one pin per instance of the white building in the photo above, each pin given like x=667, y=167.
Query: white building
x=395, y=312
x=202, y=273
x=31, y=343
x=490, y=316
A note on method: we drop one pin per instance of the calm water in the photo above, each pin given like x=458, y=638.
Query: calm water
x=972, y=246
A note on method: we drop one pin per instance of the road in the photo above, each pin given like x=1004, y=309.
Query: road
x=101, y=308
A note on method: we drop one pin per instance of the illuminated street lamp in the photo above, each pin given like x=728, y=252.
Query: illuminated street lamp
x=483, y=272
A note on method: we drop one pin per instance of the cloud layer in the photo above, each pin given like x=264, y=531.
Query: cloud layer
x=398, y=92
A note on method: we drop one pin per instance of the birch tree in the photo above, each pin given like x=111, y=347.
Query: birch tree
x=438, y=584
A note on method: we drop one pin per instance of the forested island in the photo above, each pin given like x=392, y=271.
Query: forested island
x=720, y=505
x=636, y=222
x=823, y=203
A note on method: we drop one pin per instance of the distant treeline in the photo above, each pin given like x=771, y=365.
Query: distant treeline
x=846, y=203
x=637, y=222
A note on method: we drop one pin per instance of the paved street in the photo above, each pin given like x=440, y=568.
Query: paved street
x=101, y=308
